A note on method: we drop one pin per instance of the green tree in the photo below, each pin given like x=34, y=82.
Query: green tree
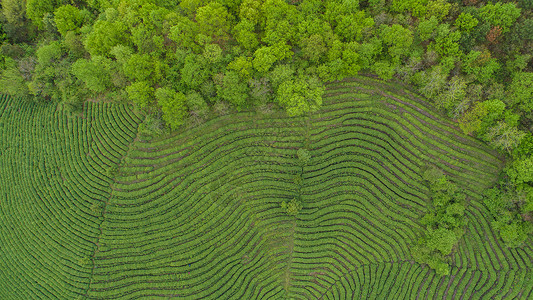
x=521, y=170
x=504, y=137
x=245, y=35
x=173, y=105
x=140, y=67
x=184, y=33
x=470, y=122
x=12, y=80
x=141, y=93
x=37, y=9
x=93, y=73
x=398, y=40
x=314, y=47
x=293, y=207
x=194, y=72
x=264, y=58
x=465, y=22
x=68, y=18
x=242, y=65
x=500, y=14
x=214, y=20
x=521, y=91
x=416, y=7
x=426, y=28
x=350, y=27
x=233, y=90
x=104, y=36
x=300, y=95
x=446, y=41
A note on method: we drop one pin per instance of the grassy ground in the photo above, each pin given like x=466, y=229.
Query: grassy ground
x=92, y=210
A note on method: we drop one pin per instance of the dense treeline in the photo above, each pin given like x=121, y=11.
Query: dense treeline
x=444, y=222
x=181, y=60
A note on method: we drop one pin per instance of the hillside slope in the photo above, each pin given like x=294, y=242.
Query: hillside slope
x=91, y=209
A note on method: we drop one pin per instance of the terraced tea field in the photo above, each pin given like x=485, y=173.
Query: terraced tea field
x=92, y=210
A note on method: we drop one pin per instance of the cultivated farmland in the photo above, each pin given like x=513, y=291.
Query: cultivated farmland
x=92, y=209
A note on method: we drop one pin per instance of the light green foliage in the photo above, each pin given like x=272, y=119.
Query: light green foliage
x=213, y=53
x=446, y=41
x=368, y=52
x=350, y=27
x=441, y=240
x=466, y=22
x=233, y=90
x=521, y=170
x=444, y=222
x=450, y=98
x=242, y=65
x=36, y=9
x=94, y=73
x=193, y=73
x=504, y=137
x=507, y=206
x=426, y=28
x=521, y=91
x=398, y=39
x=314, y=47
x=141, y=93
x=197, y=104
x=279, y=22
x=431, y=82
x=184, y=33
x=494, y=110
x=303, y=156
x=50, y=54
x=438, y=9
x=416, y=7
x=480, y=65
x=251, y=10
x=104, y=36
x=190, y=6
x=293, y=207
x=280, y=74
x=350, y=58
x=515, y=233
x=140, y=67
x=471, y=121
x=121, y=53
x=173, y=105
x=213, y=20
x=12, y=81
x=300, y=95
x=500, y=14
x=384, y=69
x=245, y=35
x=265, y=57
x=68, y=18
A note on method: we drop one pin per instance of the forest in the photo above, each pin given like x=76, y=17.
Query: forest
x=180, y=64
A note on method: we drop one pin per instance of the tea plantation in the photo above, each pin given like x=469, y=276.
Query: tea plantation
x=235, y=209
